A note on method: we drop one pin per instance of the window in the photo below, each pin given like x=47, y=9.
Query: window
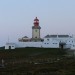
x=73, y=45
x=46, y=43
x=54, y=43
x=47, y=39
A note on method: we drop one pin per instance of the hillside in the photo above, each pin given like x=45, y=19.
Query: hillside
x=28, y=52
x=36, y=61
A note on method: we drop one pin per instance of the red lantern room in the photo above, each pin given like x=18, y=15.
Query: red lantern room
x=36, y=22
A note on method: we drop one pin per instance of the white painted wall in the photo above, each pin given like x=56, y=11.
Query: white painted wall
x=29, y=44
x=6, y=47
x=50, y=43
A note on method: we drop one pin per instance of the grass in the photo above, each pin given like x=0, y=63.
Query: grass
x=22, y=62
x=25, y=52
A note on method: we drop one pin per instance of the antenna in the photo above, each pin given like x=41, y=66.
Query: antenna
x=8, y=39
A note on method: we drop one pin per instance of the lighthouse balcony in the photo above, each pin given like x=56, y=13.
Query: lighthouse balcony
x=36, y=27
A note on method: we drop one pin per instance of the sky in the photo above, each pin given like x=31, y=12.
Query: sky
x=16, y=18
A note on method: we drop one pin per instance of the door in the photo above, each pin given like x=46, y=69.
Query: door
x=9, y=47
x=62, y=45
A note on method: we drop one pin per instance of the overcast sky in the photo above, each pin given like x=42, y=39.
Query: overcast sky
x=16, y=18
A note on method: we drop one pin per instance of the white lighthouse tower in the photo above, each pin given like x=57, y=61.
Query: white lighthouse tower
x=36, y=30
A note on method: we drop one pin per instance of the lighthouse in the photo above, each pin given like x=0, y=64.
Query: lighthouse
x=36, y=29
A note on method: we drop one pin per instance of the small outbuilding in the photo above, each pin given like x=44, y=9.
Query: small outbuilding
x=10, y=46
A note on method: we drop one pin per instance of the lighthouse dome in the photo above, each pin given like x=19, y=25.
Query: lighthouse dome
x=36, y=19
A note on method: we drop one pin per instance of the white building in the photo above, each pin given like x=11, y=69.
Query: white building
x=10, y=46
x=49, y=41
x=59, y=41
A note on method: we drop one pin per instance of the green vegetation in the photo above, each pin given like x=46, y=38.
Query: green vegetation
x=36, y=61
